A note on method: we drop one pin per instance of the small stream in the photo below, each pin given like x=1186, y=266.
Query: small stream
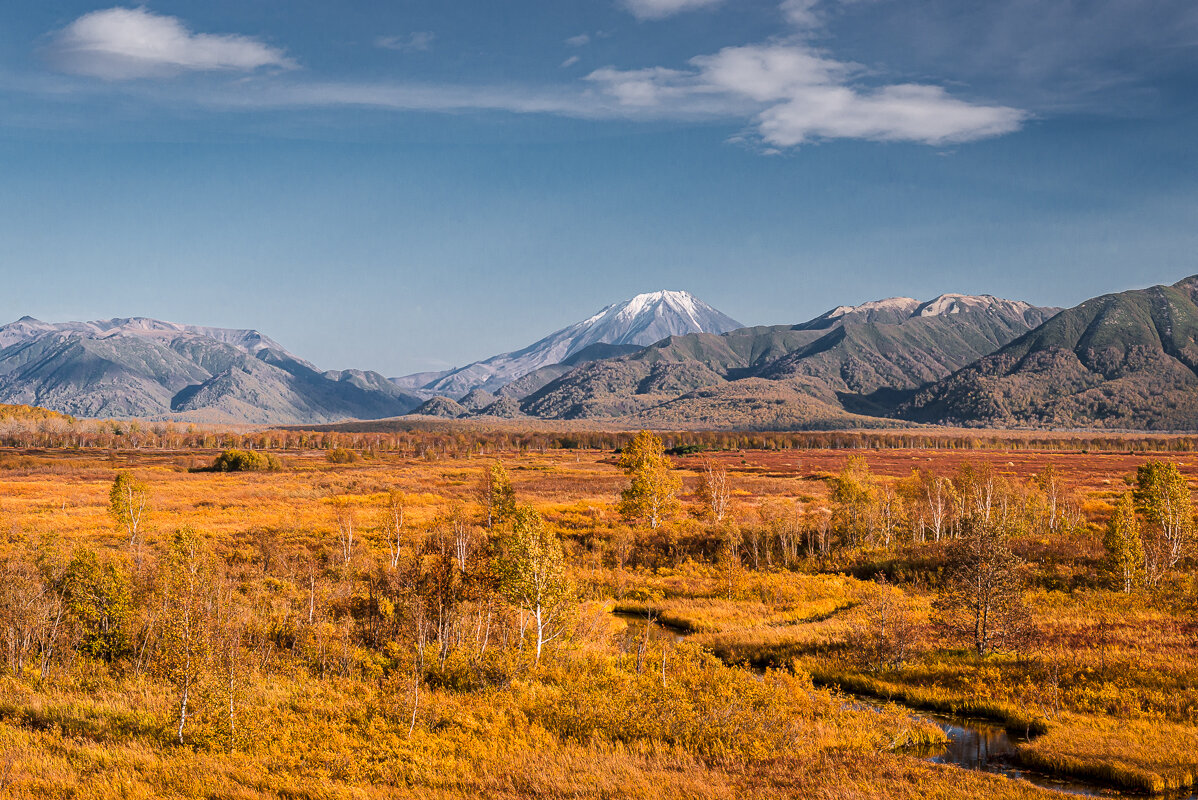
x=976, y=744
x=986, y=746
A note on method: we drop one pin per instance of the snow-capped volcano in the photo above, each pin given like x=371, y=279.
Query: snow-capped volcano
x=640, y=321
x=645, y=319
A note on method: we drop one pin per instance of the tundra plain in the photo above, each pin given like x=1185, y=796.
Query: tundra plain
x=358, y=622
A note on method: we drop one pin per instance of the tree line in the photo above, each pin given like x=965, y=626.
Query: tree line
x=426, y=439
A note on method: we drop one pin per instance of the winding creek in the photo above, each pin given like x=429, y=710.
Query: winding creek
x=975, y=744
x=986, y=746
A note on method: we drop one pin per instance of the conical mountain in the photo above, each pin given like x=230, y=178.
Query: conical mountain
x=634, y=323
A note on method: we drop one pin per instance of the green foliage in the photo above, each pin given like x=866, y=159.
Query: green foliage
x=854, y=496
x=1124, y=561
x=99, y=600
x=1163, y=497
x=497, y=495
x=127, y=501
x=1133, y=350
x=245, y=461
x=341, y=455
x=651, y=493
x=185, y=649
x=532, y=573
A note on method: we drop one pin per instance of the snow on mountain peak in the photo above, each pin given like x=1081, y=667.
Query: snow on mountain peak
x=28, y=329
x=958, y=303
x=640, y=320
x=661, y=303
x=900, y=304
x=906, y=307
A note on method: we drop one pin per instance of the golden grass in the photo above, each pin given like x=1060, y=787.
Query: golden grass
x=1134, y=754
x=1112, y=682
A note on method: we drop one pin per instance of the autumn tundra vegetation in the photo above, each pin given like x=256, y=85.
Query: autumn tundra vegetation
x=459, y=612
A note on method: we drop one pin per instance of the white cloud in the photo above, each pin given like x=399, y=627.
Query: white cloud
x=656, y=87
x=802, y=13
x=123, y=43
x=418, y=42
x=581, y=40
x=770, y=72
x=787, y=91
x=660, y=9
x=903, y=112
x=799, y=95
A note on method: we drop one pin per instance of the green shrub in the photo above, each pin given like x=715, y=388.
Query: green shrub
x=341, y=455
x=244, y=461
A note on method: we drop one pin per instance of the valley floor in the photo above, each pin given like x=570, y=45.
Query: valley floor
x=347, y=652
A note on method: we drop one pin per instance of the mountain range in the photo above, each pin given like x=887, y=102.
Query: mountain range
x=1127, y=360
x=150, y=369
x=852, y=362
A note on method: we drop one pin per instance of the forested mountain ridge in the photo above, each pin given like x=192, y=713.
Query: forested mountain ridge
x=1122, y=360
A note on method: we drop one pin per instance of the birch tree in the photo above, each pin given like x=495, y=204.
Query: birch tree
x=185, y=646
x=713, y=491
x=653, y=487
x=982, y=602
x=532, y=569
x=1163, y=495
x=394, y=512
x=127, y=501
x=346, y=520
x=1124, y=549
x=496, y=495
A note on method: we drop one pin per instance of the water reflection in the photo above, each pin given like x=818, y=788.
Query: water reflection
x=633, y=635
x=975, y=745
x=986, y=746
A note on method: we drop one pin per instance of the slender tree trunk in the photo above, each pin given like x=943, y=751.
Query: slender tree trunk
x=183, y=709
x=540, y=634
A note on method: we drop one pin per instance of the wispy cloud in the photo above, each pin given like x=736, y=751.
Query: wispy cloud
x=417, y=42
x=1105, y=56
x=269, y=95
x=581, y=40
x=786, y=91
x=660, y=9
x=802, y=13
x=801, y=95
x=125, y=43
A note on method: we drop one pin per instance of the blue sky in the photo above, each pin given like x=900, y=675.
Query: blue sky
x=413, y=185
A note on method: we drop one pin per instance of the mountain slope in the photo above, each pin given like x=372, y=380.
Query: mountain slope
x=851, y=359
x=1124, y=360
x=27, y=329
x=644, y=319
x=152, y=369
